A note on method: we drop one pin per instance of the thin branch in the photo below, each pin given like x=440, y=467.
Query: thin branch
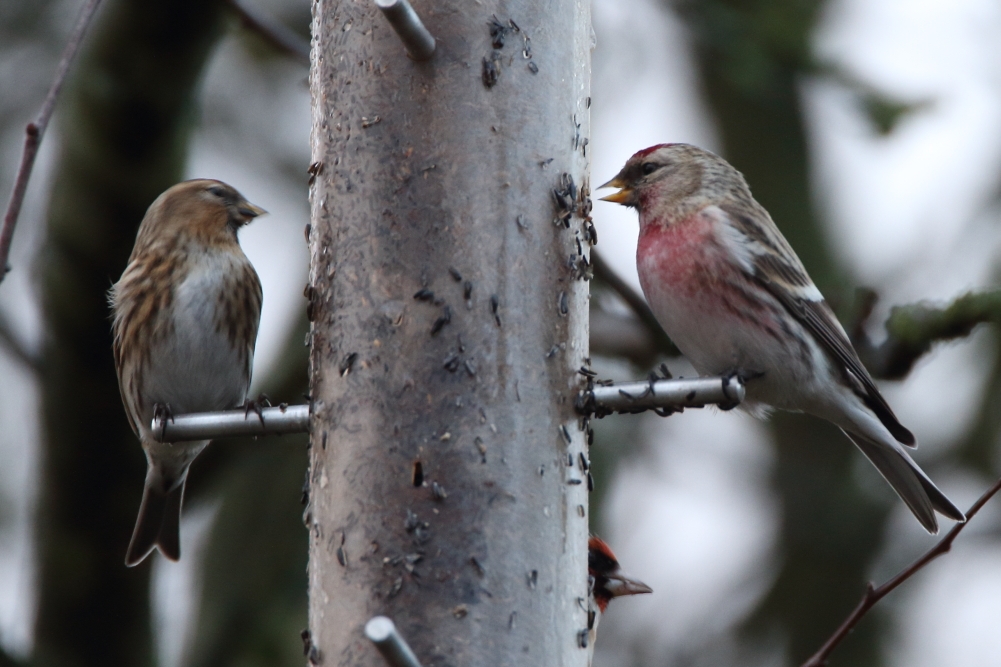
x=36, y=130
x=635, y=301
x=17, y=348
x=277, y=34
x=874, y=595
x=622, y=335
x=914, y=328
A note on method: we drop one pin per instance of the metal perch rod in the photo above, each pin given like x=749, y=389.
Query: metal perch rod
x=208, y=425
x=382, y=632
x=419, y=42
x=671, y=395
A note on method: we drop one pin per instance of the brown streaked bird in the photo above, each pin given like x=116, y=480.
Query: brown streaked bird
x=733, y=296
x=186, y=312
x=607, y=581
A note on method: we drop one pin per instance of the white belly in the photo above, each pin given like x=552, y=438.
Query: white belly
x=196, y=368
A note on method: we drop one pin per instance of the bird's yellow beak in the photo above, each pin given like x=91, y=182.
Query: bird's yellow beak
x=623, y=196
x=249, y=211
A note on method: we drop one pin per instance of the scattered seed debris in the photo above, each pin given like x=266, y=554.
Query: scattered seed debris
x=347, y=363
x=439, y=323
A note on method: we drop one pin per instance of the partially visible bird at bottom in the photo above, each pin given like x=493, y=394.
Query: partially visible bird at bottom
x=733, y=296
x=186, y=314
x=607, y=581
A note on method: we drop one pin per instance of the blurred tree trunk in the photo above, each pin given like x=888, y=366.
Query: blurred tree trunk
x=441, y=493
x=751, y=57
x=125, y=123
x=253, y=593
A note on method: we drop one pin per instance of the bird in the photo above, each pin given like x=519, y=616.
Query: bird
x=185, y=317
x=730, y=292
x=606, y=581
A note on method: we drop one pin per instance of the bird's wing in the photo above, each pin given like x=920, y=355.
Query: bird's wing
x=123, y=374
x=241, y=315
x=765, y=254
x=141, y=313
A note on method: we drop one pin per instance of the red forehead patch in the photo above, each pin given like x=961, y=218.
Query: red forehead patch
x=646, y=151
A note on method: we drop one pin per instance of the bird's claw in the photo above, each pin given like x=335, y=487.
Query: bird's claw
x=734, y=401
x=162, y=412
x=652, y=379
x=255, y=405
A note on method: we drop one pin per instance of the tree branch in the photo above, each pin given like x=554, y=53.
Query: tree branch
x=17, y=348
x=874, y=595
x=914, y=328
x=623, y=336
x=277, y=34
x=36, y=130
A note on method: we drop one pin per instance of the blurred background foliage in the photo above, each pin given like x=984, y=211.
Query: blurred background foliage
x=163, y=85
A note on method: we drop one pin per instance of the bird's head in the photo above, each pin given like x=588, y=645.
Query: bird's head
x=208, y=210
x=667, y=178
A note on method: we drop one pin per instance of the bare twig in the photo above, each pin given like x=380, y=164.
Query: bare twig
x=622, y=335
x=913, y=329
x=17, y=348
x=873, y=595
x=276, y=34
x=635, y=301
x=36, y=130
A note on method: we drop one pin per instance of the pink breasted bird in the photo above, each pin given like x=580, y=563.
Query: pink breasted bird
x=607, y=581
x=733, y=296
x=186, y=312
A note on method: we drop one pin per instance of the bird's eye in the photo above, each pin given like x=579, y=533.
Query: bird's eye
x=649, y=167
x=217, y=191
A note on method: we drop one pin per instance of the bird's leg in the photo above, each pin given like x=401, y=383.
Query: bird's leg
x=256, y=404
x=163, y=412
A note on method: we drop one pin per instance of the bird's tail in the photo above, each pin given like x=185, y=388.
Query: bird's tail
x=909, y=481
x=159, y=522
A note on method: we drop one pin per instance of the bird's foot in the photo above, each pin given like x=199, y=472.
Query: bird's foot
x=655, y=377
x=255, y=405
x=652, y=379
x=728, y=384
x=163, y=412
